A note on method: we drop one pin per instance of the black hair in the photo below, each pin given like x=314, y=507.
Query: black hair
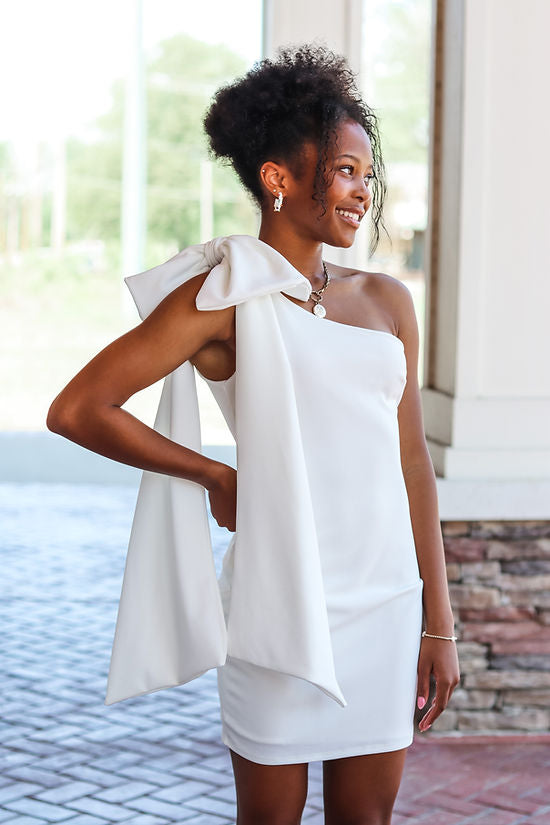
x=302, y=95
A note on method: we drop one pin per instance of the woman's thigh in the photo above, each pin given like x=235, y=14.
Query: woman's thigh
x=361, y=790
x=269, y=794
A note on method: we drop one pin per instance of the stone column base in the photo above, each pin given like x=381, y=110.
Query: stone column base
x=499, y=583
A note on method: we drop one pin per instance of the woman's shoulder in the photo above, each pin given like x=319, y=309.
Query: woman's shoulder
x=374, y=282
x=390, y=296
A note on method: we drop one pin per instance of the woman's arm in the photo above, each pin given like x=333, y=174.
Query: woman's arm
x=436, y=655
x=88, y=410
x=419, y=477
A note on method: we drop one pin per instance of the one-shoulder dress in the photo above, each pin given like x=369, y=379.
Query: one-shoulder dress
x=348, y=383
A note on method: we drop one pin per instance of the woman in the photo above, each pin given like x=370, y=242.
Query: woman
x=306, y=148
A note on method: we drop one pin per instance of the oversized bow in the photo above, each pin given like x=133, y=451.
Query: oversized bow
x=170, y=625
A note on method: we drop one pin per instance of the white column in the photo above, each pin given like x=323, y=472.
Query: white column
x=294, y=22
x=59, y=196
x=134, y=173
x=206, y=201
x=486, y=397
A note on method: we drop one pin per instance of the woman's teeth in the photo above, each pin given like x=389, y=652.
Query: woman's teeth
x=352, y=216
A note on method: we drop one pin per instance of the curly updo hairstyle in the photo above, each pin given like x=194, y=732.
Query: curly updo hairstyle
x=304, y=94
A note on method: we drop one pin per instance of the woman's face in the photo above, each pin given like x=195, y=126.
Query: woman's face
x=349, y=173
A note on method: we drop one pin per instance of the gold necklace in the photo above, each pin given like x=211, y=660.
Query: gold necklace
x=317, y=295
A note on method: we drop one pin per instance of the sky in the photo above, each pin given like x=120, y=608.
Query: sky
x=58, y=58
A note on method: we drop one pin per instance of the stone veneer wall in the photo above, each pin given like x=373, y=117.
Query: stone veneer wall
x=499, y=583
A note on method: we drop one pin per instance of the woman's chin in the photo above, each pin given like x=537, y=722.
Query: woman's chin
x=344, y=238
x=340, y=241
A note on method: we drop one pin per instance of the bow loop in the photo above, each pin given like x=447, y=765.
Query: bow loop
x=211, y=253
x=241, y=267
x=247, y=268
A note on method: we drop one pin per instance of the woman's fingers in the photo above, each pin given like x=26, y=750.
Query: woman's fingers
x=443, y=663
x=443, y=690
x=423, y=689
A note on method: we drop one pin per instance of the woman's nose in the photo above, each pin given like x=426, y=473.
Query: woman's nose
x=364, y=191
x=366, y=195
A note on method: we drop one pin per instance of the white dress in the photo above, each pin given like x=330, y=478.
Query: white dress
x=348, y=383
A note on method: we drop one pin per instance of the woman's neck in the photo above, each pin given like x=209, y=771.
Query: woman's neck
x=304, y=254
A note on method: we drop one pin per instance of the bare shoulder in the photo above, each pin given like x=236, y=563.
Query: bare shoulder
x=395, y=296
x=391, y=297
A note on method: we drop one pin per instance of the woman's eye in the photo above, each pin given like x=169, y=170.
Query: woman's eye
x=368, y=178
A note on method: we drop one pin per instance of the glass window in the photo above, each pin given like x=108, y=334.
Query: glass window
x=396, y=70
x=63, y=148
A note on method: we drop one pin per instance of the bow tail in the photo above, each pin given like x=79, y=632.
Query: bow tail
x=170, y=625
x=277, y=616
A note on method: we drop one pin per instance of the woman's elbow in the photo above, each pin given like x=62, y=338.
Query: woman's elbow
x=62, y=417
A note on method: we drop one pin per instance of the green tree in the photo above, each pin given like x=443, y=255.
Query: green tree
x=401, y=66
x=182, y=76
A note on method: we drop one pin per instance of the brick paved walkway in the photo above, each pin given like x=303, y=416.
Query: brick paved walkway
x=66, y=757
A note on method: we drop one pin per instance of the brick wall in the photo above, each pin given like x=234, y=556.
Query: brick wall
x=499, y=583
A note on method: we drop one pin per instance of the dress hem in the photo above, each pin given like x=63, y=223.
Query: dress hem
x=318, y=756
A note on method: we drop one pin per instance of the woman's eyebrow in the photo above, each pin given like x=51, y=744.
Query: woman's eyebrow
x=353, y=157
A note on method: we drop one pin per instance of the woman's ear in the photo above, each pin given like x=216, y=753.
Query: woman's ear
x=272, y=178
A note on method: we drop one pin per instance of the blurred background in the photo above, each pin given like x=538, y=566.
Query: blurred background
x=104, y=170
x=104, y=173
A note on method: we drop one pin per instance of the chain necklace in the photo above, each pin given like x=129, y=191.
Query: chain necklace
x=317, y=296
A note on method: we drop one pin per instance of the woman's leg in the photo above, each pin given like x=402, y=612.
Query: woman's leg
x=269, y=794
x=361, y=790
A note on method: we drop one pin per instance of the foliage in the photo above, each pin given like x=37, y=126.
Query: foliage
x=401, y=77
x=181, y=78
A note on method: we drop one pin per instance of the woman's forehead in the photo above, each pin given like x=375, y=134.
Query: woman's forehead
x=352, y=137
x=351, y=141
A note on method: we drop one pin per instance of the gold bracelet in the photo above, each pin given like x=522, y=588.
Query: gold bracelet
x=450, y=638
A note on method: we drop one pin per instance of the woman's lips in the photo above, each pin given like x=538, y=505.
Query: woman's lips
x=351, y=221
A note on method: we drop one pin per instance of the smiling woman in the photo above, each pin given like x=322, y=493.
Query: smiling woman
x=315, y=622
x=346, y=198
x=278, y=107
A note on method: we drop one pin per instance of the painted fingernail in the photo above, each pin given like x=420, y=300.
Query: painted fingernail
x=421, y=702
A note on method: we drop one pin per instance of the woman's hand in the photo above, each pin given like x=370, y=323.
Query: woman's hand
x=440, y=657
x=222, y=495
